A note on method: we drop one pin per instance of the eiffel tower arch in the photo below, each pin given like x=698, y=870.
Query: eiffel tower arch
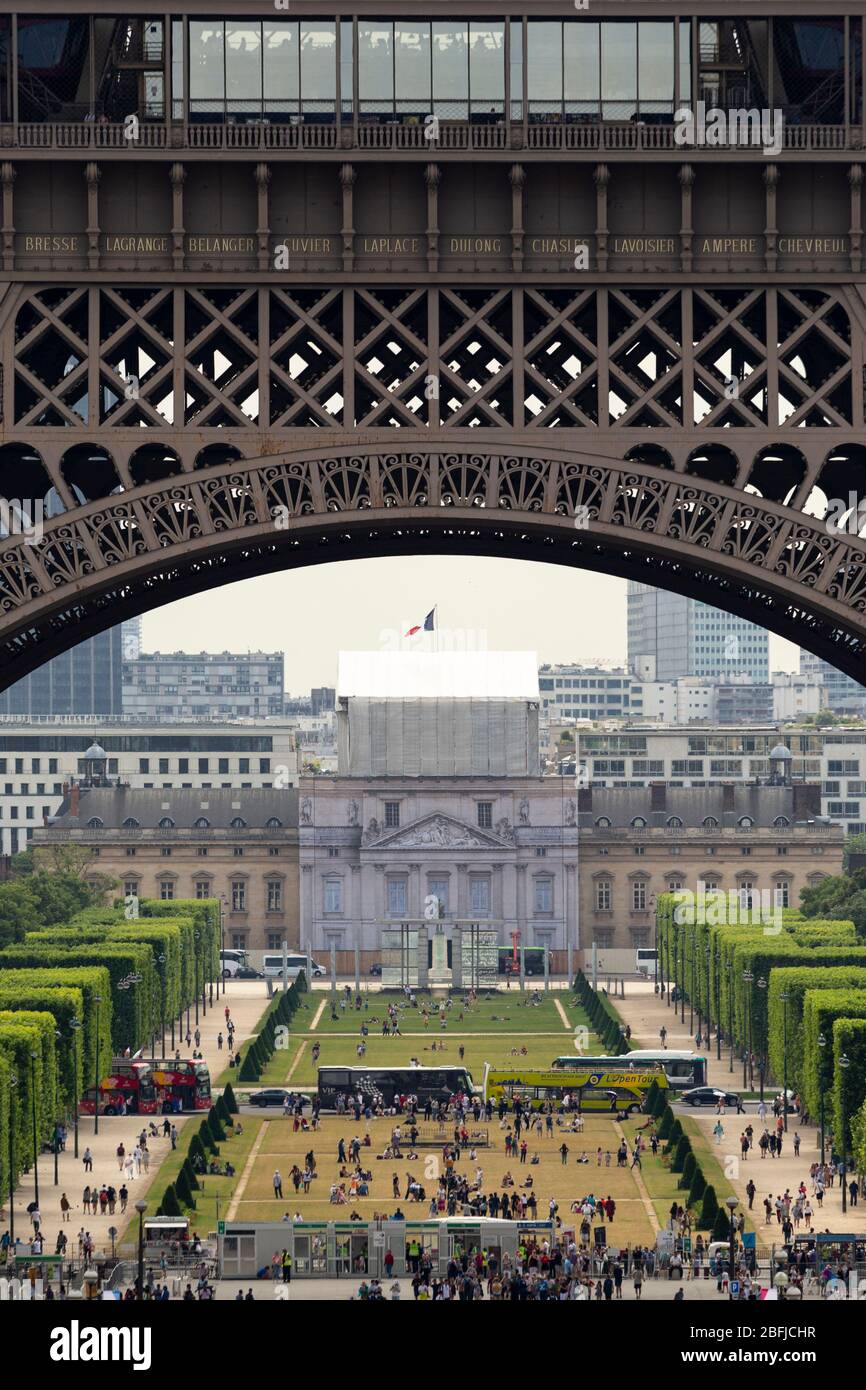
x=278, y=290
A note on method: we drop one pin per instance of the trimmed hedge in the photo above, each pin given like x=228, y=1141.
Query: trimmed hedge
x=821, y=1009
x=709, y=1208
x=795, y=981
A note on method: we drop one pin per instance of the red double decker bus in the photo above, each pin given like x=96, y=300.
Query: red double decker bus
x=181, y=1084
x=128, y=1089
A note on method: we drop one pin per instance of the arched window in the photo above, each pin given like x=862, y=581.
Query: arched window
x=745, y=822
x=131, y=823
x=603, y=823
x=95, y=823
x=710, y=823
x=274, y=823
x=238, y=823
x=202, y=823
x=166, y=823
x=674, y=823
x=639, y=823
x=781, y=822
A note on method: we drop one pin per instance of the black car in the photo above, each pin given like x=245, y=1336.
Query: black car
x=273, y=1096
x=709, y=1095
x=246, y=972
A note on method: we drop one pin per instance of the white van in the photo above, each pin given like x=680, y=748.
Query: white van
x=645, y=960
x=272, y=966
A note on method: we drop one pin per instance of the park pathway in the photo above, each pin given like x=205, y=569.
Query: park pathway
x=646, y=1013
x=247, y=1000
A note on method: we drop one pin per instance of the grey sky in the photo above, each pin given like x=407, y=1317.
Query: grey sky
x=310, y=614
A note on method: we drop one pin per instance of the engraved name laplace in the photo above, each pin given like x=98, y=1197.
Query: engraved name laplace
x=386, y=247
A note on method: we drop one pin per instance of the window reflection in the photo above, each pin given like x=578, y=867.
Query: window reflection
x=253, y=71
x=620, y=70
x=570, y=69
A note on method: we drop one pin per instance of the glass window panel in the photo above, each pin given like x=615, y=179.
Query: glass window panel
x=206, y=60
x=177, y=68
x=516, y=69
x=581, y=59
x=450, y=62
x=685, y=62
x=487, y=62
x=375, y=62
x=281, y=65
x=656, y=61
x=347, y=73
x=619, y=61
x=479, y=896
x=396, y=897
x=243, y=50
x=318, y=61
x=412, y=62
x=544, y=60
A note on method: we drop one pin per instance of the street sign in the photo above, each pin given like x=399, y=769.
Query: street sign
x=221, y=1228
x=378, y=1240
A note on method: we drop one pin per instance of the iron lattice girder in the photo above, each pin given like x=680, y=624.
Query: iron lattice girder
x=252, y=399
x=119, y=556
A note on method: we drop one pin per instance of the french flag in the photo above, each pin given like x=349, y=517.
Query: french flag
x=428, y=625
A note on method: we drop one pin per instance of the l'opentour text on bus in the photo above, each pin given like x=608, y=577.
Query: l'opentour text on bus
x=682, y=1069
x=611, y=1089
x=134, y=1087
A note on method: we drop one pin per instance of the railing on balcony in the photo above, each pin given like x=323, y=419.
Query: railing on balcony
x=583, y=134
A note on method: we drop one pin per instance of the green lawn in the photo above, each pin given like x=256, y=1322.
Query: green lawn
x=506, y=1011
x=216, y=1193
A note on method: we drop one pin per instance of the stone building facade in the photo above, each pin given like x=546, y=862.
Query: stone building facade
x=500, y=852
x=238, y=846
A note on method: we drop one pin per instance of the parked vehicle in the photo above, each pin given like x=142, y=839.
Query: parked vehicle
x=273, y=1095
x=709, y=1095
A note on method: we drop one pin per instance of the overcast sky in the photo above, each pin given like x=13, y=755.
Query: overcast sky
x=505, y=605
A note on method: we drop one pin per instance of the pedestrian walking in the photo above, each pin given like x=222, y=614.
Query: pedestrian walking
x=88, y=1160
x=278, y=1183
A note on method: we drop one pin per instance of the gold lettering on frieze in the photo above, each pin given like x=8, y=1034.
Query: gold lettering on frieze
x=813, y=246
x=555, y=245
x=644, y=246
x=220, y=245
x=307, y=245
x=475, y=245
x=729, y=246
x=58, y=243
x=135, y=243
x=391, y=246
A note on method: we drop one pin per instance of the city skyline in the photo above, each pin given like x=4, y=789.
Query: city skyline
x=503, y=605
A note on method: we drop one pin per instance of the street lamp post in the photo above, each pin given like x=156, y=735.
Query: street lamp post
x=718, y=1004
x=691, y=993
x=13, y=1082
x=748, y=977
x=97, y=999
x=141, y=1208
x=844, y=1064
x=198, y=937
x=75, y=1024
x=729, y=970
x=762, y=985
x=35, y=1141
x=822, y=1043
x=683, y=978
x=731, y=1204
x=784, y=997
x=708, y=1009
x=59, y=1038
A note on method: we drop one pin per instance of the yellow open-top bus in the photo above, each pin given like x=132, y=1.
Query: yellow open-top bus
x=607, y=1091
